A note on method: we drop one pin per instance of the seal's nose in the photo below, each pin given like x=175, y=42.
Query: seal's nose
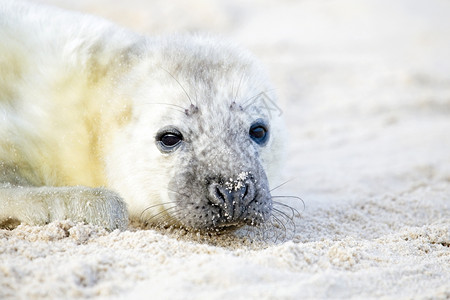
x=232, y=200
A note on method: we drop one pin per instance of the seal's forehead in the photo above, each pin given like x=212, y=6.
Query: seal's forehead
x=205, y=67
x=218, y=106
x=218, y=88
x=217, y=122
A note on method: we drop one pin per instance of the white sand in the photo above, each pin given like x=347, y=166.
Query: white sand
x=365, y=89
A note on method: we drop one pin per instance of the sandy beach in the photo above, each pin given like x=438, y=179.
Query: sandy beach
x=364, y=86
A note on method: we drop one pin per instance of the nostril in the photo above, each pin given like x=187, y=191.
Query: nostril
x=245, y=191
x=231, y=202
x=219, y=194
x=248, y=194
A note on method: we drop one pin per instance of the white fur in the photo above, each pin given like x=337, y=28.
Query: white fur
x=80, y=105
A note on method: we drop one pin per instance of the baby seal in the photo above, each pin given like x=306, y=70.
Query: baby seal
x=99, y=124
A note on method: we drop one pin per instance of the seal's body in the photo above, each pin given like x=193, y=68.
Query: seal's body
x=98, y=123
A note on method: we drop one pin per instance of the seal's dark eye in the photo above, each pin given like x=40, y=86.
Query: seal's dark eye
x=168, y=139
x=259, y=132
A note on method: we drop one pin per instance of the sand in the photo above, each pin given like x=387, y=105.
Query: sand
x=365, y=90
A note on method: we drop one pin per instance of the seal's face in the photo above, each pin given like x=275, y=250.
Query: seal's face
x=219, y=181
x=214, y=141
x=203, y=144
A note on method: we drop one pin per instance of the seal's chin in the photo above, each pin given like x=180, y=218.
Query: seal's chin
x=232, y=226
x=223, y=225
x=223, y=228
x=228, y=227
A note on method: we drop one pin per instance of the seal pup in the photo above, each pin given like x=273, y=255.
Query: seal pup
x=99, y=124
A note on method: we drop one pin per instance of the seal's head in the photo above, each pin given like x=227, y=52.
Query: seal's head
x=205, y=136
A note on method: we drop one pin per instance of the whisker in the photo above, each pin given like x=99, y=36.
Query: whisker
x=190, y=100
x=285, y=220
x=159, y=214
x=255, y=96
x=232, y=89
x=155, y=205
x=293, y=210
x=163, y=220
x=260, y=232
x=276, y=226
x=177, y=192
x=269, y=233
x=284, y=216
x=294, y=197
x=152, y=220
x=274, y=235
x=280, y=223
x=278, y=186
x=169, y=104
x=239, y=86
x=244, y=103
